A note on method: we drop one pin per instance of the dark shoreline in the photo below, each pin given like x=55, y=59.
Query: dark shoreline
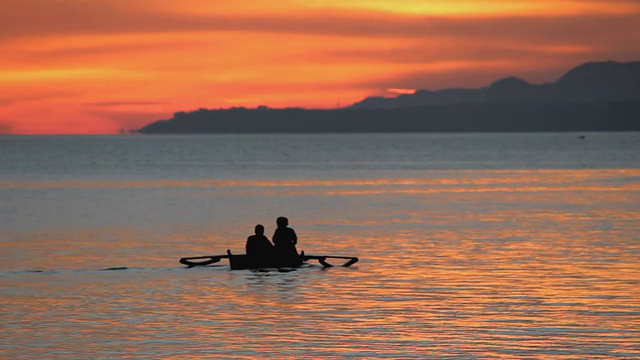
x=492, y=117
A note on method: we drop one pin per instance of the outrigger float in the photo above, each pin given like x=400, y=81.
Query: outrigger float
x=243, y=262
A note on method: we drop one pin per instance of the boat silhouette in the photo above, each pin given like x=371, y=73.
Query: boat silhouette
x=243, y=261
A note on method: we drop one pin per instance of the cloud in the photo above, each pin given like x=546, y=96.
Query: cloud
x=96, y=31
x=60, y=18
x=111, y=104
x=91, y=48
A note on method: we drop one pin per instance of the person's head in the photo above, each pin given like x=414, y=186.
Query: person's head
x=259, y=229
x=282, y=221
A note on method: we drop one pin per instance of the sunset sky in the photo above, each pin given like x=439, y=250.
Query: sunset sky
x=96, y=66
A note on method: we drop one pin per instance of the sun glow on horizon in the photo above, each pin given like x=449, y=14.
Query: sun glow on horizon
x=401, y=91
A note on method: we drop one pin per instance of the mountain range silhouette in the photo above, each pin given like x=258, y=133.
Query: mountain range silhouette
x=595, y=96
x=605, y=81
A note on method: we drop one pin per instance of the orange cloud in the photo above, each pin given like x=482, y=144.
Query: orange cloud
x=95, y=66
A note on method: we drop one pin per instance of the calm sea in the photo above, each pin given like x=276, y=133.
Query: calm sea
x=472, y=246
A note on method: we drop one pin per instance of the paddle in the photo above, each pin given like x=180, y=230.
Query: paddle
x=211, y=260
x=323, y=259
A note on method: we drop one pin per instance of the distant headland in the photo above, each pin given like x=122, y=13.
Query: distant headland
x=597, y=96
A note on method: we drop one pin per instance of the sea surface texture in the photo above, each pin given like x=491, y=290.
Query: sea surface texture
x=471, y=246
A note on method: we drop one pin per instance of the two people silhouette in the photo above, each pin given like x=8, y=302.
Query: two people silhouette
x=283, y=250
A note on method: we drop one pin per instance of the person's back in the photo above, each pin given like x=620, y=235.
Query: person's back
x=285, y=240
x=258, y=247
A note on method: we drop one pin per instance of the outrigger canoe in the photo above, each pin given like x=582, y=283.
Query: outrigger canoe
x=243, y=262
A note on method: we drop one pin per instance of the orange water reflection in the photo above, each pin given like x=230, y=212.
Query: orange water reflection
x=459, y=180
x=479, y=264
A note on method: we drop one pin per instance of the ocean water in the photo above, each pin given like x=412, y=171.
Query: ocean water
x=471, y=246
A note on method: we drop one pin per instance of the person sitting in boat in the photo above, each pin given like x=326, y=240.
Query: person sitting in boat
x=258, y=246
x=285, y=240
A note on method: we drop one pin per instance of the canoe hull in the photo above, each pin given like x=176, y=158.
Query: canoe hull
x=243, y=262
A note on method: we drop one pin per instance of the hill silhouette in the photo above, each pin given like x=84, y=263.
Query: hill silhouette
x=590, y=82
x=602, y=96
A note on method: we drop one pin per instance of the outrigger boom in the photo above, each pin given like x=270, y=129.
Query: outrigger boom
x=323, y=259
x=240, y=262
x=210, y=260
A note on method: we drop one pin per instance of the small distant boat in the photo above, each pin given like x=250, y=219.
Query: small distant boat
x=243, y=262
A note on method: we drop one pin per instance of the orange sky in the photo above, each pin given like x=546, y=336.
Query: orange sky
x=96, y=66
